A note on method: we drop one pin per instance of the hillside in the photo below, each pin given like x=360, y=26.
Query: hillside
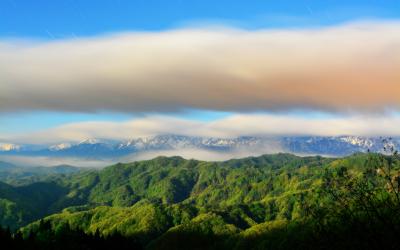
x=169, y=181
x=167, y=198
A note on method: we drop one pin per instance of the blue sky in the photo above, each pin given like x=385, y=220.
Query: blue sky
x=70, y=19
x=59, y=19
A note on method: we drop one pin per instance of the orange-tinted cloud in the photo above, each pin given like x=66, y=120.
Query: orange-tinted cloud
x=348, y=67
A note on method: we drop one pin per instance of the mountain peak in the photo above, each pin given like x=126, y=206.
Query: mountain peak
x=301, y=145
x=60, y=146
x=90, y=141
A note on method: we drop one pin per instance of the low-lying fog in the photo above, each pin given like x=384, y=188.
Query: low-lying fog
x=96, y=162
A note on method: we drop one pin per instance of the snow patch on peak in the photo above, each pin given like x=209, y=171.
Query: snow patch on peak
x=90, y=141
x=60, y=146
x=358, y=141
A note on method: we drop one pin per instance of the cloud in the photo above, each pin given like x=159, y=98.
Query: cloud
x=347, y=67
x=36, y=161
x=228, y=127
x=197, y=154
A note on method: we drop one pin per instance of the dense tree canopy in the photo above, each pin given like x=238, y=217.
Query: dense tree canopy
x=270, y=202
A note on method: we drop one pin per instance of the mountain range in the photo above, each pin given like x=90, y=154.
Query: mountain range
x=300, y=145
x=273, y=201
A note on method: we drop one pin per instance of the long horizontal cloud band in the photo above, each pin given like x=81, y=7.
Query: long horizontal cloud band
x=228, y=127
x=348, y=67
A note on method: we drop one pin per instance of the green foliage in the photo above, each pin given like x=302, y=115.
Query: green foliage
x=268, y=202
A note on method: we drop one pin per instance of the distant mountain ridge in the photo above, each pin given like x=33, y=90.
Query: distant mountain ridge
x=309, y=145
x=17, y=175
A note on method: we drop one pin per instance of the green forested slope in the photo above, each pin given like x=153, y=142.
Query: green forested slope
x=206, y=184
x=20, y=205
x=255, y=183
x=168, y=201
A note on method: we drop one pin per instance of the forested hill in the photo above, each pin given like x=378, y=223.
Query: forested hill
x=166, y=199
x=165, y=180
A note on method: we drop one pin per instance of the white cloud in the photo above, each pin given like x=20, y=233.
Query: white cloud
x=41, y=161
x=197, y=154
x=231, y=126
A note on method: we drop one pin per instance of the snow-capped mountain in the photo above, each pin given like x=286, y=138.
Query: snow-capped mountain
x=359, y=141
x=170, y=142
x=99, y=148
x=335, y=146
x=60, y=146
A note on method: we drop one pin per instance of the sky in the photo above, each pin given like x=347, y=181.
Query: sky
x=72, y=70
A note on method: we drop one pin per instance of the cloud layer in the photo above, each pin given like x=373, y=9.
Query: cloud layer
x=228, y=127
x=348, y=67
x=197, y=154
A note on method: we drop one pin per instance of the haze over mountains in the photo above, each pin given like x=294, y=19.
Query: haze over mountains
x=197, y=147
